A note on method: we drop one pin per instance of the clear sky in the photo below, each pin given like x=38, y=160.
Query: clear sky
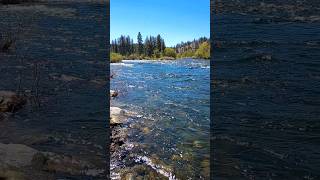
x=174, y=20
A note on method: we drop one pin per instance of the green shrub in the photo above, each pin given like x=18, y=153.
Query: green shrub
x=133, y=57
x=170, y=52
x=203, y=51
x=116, y=57
x=187, y=54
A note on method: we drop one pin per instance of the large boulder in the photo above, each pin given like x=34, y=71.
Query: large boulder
x=16, y=155
x=60, y=163
x=116, y=116
x=10, y=101
x=69, y=165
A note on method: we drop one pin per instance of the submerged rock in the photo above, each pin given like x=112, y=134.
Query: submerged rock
x=145, y=130
x=197, y=144
x=113, y=93
x=129, y=176
x=205, y=165
x=71, y=165
x=65, y=164
x=176, y=157
x=118, y=138
x=10, y=101
x=141, y=172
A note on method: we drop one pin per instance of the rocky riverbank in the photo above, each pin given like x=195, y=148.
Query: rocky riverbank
x=20, y=161
x=122, y=149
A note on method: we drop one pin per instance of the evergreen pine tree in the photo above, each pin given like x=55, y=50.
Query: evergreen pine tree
x=140, y=44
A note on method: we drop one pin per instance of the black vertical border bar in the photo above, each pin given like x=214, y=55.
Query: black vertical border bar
x=211, y=89
x=108, y=92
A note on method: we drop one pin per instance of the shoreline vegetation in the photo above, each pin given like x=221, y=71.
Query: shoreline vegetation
x=154, y=48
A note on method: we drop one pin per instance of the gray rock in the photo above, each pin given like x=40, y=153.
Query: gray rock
x=113, y=93
x=70, y=165
x=118, y=138
x=117, y=115
x=16, y=155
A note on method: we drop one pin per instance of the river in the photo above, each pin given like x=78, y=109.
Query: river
x=171, y=99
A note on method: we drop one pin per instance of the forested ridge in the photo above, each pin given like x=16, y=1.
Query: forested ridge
x=154, y=47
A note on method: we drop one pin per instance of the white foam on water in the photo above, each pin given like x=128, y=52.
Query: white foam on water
x=139, y=61
x=205, y=67
x=122, y=64
x=160, y=169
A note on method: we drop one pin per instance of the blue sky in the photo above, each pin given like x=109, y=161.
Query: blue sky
x=174, y=20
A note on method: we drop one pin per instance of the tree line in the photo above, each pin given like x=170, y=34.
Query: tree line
x=154, y=47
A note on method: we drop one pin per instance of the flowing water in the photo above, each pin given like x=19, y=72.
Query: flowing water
x=266, y=90
x=171, y=99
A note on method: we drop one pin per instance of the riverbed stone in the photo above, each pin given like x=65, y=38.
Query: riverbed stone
x=176, y=157
x=141, y=172
x=16, y=155
x=129, y=176
x=116, y=111
x=118, y=138
x=146, y=130
x=205, y=165
x=197, y=144
x=188, y=157
x=116, y=115
x=66, y=164
x=113, y=93
x=10, y=101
